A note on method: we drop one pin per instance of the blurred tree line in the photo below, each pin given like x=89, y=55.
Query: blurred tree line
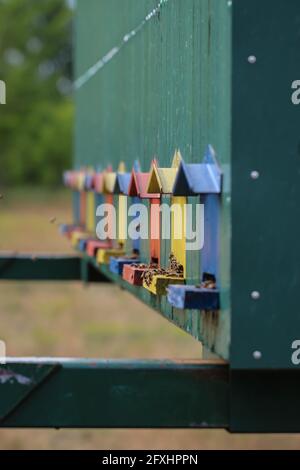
x=36, y=65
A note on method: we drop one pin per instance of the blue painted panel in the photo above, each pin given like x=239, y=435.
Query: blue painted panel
x=211, y=161
x=210, y=253
x=136, y=166
x=199, y=178
x=196, y=178
x=66, y=178
x=183, y=183
x=63, y=229
x=193, y=298
x=122, y=183
x=88, y=182
x=116, y=265
x=82, y=245
x=76, y=207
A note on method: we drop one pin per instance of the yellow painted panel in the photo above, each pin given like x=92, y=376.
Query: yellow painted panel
x=77, y=236
x=109, y=182
x=122, y=219
x=154, y=184
x=178, y=230
x=160, y=284
x=161, y=180
x=103, y=256
x=122, y=167
x=90, y=211
x=80, y=181
x=176, y=159
x=167, y=179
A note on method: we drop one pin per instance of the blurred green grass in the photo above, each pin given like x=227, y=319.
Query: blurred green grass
x=74, y=320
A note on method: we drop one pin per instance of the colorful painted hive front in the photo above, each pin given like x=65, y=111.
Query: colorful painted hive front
x=157, y=93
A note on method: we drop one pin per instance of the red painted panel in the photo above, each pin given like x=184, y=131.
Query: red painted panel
x=133, y=275
x=138, y=186
x=94, y=245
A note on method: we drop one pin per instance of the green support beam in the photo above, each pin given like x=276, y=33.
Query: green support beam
x=39, y=267
x=67, y=393
x=20, y=267
x=264, y=401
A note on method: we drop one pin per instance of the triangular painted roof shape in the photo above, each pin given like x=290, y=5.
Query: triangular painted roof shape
x=167, y=177
x=177, y=159
x=133, y=189
x=154, y=183
x=137, y=166
x=109, y=182
x=138, y=186
x=199, y=178
x=122, y=183
x=182, y=182
x=162, y=180
x=122, y=167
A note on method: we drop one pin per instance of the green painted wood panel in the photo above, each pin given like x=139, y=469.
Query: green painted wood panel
x=169, y=87
x=266, y=230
